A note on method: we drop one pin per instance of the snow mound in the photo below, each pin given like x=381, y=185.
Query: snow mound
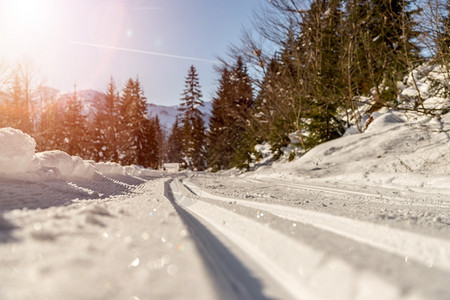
x=64, y=165
x=16, y=151
x=109, y=168
x=18, y=158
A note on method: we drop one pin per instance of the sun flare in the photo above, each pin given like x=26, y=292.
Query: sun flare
x=23, y=21
x=24, y=16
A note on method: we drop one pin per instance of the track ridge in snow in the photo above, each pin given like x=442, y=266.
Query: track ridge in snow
x=303, y=271
x=338, y=191
x=428, y=251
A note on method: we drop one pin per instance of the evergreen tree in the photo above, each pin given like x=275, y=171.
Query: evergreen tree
x=174, y=143
x=278, y=112
x=153, y=145
x=136, y=136
x=106, y=126
x=49, y=133
x=74, y=128
x=384, y=45
x=230, y=141
x=321, y=35
x=219, y=151
x=193, y=129
x=239, y=112
x=18, y=112
x=443, y=38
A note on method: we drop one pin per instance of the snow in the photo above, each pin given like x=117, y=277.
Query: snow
x=18, y=159
x=368, y=211
x=398, y=148
x=62, y=164
x=16, y=151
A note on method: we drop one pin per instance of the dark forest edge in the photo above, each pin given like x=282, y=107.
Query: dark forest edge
x=312, y=67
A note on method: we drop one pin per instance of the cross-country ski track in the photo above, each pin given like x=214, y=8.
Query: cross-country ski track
x=290, y=264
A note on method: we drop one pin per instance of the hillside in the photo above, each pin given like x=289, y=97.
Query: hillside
x=397, y=148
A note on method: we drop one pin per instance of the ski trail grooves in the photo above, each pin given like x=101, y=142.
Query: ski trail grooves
x=429, y=251
x=302, y=271
x=340, y=192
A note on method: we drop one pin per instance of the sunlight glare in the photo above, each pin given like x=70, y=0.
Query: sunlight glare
x=23, y=16
x=24, y=23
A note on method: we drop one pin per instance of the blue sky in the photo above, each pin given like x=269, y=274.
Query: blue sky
x=86, y=41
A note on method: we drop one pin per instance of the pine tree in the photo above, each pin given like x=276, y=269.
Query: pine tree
x=18, y=112
x=219, y=151
x=277, y=111
x=384, y=45
x=49, y=133
x=136, y=136
x=74, y=128
x=174, y=143
x=230, y=142
x=193, y=128
x=443, y=38
x=106, y=126
x=153, y=145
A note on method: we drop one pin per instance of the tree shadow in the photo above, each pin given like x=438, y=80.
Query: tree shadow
x=232, y=280
x=6, y=229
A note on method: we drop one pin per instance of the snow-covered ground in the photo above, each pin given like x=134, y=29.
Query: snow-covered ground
x=397, y=150
x=366, y=216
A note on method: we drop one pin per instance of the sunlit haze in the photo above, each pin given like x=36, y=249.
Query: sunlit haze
x=84, y=42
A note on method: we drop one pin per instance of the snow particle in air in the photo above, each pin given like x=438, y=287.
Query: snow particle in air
x=37, y=226
x=165, y=259
x=294, y=225
x=105, y=235
x=183, y=232
x=145, y=236
x=172, y=270
x=163, y=239
x=134, y=263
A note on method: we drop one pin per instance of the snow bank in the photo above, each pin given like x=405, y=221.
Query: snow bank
x=18, y=157
x=16, y=151
x=109, y=168
x=63, y=164
x=398, y=148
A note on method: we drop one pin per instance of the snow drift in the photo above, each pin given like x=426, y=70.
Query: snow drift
x=16, y=151
x=18, y=158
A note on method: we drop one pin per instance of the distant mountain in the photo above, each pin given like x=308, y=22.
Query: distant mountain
x=91, y=99
x=168, y=114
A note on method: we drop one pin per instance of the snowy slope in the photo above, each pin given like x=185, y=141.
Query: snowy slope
x=398, y=148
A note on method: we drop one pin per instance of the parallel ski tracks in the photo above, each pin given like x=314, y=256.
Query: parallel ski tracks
x=429, y=251
x=243, y=232
x=371, y=197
